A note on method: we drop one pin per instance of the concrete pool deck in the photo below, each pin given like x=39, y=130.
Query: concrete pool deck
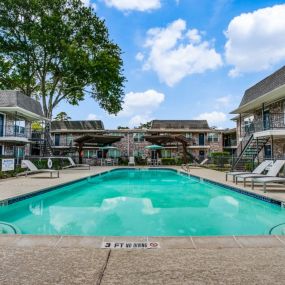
x=180, y=260
x=72, y=260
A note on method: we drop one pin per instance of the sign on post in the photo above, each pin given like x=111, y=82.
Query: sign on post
x=8, y=164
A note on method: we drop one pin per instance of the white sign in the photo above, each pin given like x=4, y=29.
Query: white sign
x=8, y=164
x=130, y=245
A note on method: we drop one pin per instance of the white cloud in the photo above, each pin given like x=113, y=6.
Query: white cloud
x=138, y=5
x=256, y=41
x=175, y=52
x=139, y=56
x=139, y=106
x=213, y=118
x=92, y=117
x=223, y=101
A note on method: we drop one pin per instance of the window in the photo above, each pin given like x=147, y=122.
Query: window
x=188, y=135
x=69, y=139
x=165, y=153
x=213, y=137
x=20, y=127
x=114, y=153
x=248, y=124
x=138, y=137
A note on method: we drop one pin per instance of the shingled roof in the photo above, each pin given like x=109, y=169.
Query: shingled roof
x=266, y=85
x=16, y=99
x=179, y=124
x=77, y=125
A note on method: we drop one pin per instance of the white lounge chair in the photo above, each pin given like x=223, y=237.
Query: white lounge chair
x=131, y=161
x=73, y=164
x=195, y=164
x=265, y=180
x=33, y=169
x=272, y=172
x=258, y=170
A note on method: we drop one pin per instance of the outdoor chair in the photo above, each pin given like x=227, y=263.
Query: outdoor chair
x=74, y=165
x=272, y=172
x=131, y=161
x=258, y=170
x=33, y=169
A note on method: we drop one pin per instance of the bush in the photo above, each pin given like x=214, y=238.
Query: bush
x=140, y=161
x=168, y=161
x=122, y=161
x=220, y=158
x=9, y=174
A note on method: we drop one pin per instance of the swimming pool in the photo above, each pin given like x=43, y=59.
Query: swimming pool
x=143, y=202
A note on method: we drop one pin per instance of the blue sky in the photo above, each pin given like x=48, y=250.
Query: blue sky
x=188, y=59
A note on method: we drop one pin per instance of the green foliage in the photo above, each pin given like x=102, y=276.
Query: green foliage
x=123, y=161
x=9, y=174
x=56, y=163
x=122, y=128
x=59, y=50
x=140, y=161
x=220, y=154
x=220, y=158
x=37, y=127
x=168, y=161
x=147, y=125
x=62, y=116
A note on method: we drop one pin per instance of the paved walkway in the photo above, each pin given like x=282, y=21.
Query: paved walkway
x=77, y=260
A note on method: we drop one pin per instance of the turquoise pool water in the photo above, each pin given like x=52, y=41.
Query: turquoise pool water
x=143, y=202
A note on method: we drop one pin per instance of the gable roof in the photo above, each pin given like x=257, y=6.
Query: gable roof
x=77, y=125
x=16, y=100
x=271, y=82
x=179, y=124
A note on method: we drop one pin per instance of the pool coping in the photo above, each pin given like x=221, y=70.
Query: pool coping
x=170, y=242
x=258, y=196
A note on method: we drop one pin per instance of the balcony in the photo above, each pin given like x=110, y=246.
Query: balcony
x=270, y=124
x=232, y=143
x=15, y=134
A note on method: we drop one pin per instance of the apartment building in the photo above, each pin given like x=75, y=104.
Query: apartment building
x=260, y=119
x=17, y=112
x=177, y=137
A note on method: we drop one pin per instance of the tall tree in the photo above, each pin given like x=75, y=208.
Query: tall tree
x=59, y=50
x=62, y=116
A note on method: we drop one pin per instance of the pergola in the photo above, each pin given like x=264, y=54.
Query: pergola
x=99, y=140
x=164, y=139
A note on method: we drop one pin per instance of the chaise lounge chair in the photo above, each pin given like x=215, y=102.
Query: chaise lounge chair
x=73, y=164
x=33, y=169
x=273, y=172
x=131, y=161
x=265, y=180
x=258, y=170
x=195, y=164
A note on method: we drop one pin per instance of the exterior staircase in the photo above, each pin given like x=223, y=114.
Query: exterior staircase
x=248, y=150
x=47, y=144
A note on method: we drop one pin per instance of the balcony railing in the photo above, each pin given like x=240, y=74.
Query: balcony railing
x=15, y=131
x=230, y=143
x=272, y=121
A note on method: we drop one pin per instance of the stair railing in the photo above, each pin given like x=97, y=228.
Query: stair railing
x=242, y=148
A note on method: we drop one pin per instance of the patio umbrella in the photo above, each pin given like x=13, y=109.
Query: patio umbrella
x=154, y=147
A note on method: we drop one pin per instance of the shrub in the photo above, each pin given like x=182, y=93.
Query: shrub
x=220, y=158
x=168, y=161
